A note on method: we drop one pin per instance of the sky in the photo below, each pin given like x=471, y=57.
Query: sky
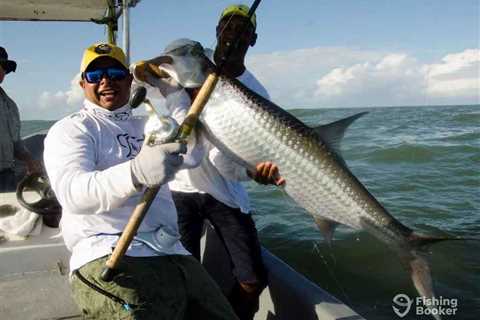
x=309, y=54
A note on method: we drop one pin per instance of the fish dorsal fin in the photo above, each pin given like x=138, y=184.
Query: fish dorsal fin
x=326, y=227
x=333, y=133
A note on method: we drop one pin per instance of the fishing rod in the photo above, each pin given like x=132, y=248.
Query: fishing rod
x=184, y=132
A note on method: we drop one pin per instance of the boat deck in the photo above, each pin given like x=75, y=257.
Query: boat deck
x=34, y=281
x=34, y=276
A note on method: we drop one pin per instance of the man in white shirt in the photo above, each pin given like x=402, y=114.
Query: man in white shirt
x=213, y=190
x=99, y=169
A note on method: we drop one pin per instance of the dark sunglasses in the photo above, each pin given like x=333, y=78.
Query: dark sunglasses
x=112, y=73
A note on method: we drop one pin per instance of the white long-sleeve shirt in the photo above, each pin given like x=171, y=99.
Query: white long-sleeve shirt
x=87, y=157
x=217, y=174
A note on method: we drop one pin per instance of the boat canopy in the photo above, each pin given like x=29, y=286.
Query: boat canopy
x=105, y=12
x=57, y=10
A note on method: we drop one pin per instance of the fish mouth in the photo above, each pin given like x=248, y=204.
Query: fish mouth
x=188, y=71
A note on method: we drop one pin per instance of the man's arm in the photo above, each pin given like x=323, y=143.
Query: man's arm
x=71, y=162
x=69, y=158
x=21, y=153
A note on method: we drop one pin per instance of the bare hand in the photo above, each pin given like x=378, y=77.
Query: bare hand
x=267, y=173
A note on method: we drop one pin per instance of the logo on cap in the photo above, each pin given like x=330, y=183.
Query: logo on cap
x=103, y=48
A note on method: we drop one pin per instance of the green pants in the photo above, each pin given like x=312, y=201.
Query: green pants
x=165, y=287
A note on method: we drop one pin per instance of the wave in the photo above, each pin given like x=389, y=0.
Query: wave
x=465, y=137
x=33, y=126
x=415, y=153
x=467, y=118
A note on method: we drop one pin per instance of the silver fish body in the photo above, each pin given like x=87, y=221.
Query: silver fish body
x=252, y=130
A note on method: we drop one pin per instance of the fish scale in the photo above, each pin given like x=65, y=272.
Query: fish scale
x=256, y=135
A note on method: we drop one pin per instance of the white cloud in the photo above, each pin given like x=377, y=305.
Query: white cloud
x=393, y=80
x=457, y=75
x=343, y=77
x=454, y=87
x=456, y=63
x=61, y=103
x=290, y=76
x=337, y=77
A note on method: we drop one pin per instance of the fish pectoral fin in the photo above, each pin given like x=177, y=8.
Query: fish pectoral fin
x=332, y=133
x=326, y=227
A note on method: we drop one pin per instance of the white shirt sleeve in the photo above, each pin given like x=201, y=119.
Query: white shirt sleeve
x=227, y=167
x=178, y=104
x=70, y=161
x=249, y=80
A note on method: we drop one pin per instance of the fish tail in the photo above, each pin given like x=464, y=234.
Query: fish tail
x=419, y=267
x=421, y=276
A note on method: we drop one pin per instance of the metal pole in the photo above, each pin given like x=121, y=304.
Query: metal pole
x=126, y=30
x=111, y=23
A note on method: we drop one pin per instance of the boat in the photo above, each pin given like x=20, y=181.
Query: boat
x=34, y=270
x=34, y=275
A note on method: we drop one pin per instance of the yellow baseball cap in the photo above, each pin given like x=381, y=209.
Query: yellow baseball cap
x=102, y=50
x=239, y=10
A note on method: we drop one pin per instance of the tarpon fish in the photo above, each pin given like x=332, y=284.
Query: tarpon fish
x=251, y=129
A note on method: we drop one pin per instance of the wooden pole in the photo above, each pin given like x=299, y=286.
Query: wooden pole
x=150, y=193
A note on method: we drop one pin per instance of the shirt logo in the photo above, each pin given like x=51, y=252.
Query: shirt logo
x=132, y=144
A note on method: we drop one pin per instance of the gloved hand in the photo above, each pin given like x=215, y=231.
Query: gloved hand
x=156, y=165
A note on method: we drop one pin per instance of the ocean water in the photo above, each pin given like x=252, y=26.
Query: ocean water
x=423, y=165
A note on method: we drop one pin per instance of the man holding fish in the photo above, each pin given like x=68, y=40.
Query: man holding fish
x=213, y=191
x=246, y=127
x=99, y=167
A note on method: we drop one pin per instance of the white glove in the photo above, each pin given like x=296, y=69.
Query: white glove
x=156, y=165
